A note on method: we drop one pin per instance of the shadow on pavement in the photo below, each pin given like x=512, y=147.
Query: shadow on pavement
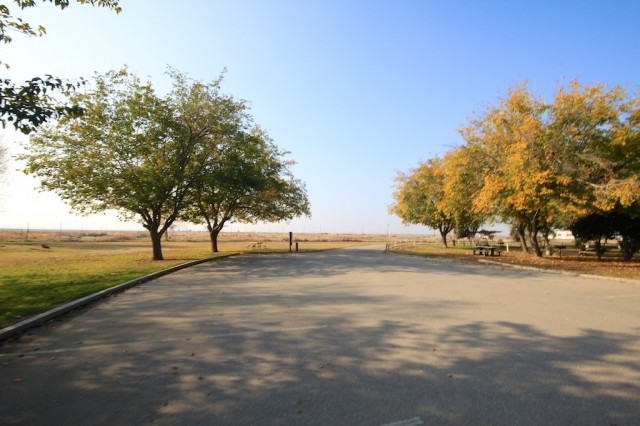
x=323, y=353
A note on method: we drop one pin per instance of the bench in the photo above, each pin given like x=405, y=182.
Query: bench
x=486, y=250
x=587, y=252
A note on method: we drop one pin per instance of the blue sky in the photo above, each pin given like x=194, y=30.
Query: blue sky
x=356, y=90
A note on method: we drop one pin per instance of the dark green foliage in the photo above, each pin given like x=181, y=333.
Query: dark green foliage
x=623, y=222
x=627, y=225
x=596, y=227
x=31, y=105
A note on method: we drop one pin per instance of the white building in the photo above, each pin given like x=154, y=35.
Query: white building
x=563, y=235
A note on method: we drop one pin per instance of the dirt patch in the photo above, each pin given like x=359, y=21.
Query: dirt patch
x=608, y=267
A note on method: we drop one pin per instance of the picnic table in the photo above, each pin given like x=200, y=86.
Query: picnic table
x=588, y=251
x=486, y=250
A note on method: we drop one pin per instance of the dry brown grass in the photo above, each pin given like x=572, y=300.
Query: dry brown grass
x=46, y=236
x=570, y=261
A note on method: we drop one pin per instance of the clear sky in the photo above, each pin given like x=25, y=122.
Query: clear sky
x=356, y=90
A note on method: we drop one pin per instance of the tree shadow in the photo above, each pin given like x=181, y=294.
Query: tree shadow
x=354, y=260
x=323, y=353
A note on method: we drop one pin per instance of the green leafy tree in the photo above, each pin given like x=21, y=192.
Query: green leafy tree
x=418, y=196
x=245, y=179
x=241, y=174
x=463, y=169
x=596, y=227
x=621, y=221
x=627, y=225
x=132, y=151
x=29, y=105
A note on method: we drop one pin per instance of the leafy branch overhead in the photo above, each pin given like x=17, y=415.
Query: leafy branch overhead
x=29, y=105
x=9, y=22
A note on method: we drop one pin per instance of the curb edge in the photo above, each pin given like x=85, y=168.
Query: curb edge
x=557, y=272
x=43, y=317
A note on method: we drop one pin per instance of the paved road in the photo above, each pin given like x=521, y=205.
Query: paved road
x=349, y=337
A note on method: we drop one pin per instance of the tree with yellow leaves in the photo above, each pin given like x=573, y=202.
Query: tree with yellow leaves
x=547, y=164
x=600, y=130
x=418, y=197
x=463, y=171
x=535, y=165
x=518, y=183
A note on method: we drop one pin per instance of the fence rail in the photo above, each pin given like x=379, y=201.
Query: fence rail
x=461, y=242
x=398, y=244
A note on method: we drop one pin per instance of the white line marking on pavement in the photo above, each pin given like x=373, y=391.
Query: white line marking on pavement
x=624, y=296
x=414, y=421
x=173, y=339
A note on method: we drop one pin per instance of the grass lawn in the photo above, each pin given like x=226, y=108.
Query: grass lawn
x=34, y=279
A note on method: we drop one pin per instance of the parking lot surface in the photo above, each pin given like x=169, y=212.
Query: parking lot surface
x=345, y=337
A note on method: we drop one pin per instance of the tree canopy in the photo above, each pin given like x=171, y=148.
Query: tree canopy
x=462, y=169
x=539, y=165
x=189, y=154
x=125, y=153
x=245, y=179
x=418, y=198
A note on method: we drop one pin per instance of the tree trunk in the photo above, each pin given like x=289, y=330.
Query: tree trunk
x=533, y=237
x=443, y=235
x=598, y=248
x=156, y=242
x=535, y=246
x=547, y=245
x=444, y=228
x=523, y=240
x=628, y=246
x=213, y=235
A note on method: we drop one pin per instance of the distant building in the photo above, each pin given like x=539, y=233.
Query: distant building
x=563, y=235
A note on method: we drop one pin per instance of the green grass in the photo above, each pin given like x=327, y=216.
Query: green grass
x=34, y=279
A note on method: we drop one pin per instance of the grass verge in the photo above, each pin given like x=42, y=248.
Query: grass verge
x=34, y=279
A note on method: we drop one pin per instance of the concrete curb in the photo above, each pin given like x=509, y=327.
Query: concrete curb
x=555, y=271
x=75, y=304
x=527, y=268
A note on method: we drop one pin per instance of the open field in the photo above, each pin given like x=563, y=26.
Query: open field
x=34, y=279
x=47, y=236
x=609, y=266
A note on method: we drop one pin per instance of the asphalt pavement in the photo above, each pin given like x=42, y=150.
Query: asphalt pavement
x=345, y=337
